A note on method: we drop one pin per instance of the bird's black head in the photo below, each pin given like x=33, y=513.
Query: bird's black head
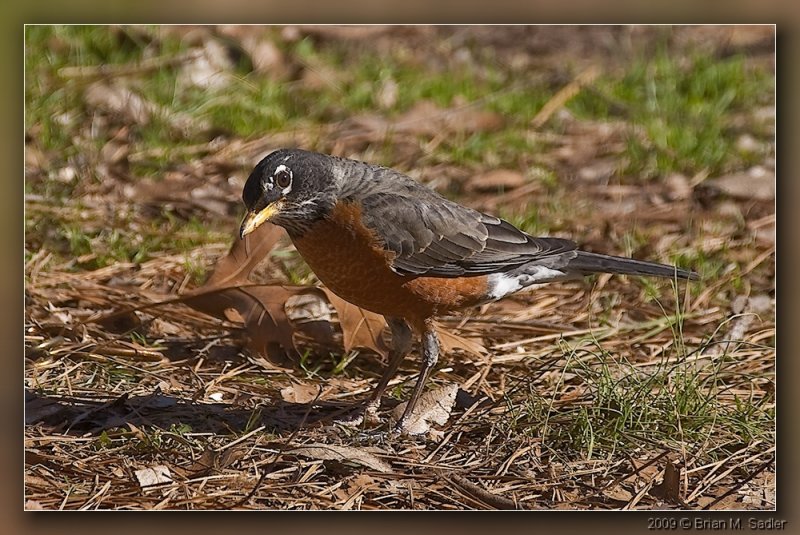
x=291, y=188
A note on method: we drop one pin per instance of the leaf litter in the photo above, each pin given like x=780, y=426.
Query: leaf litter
x=167, y=384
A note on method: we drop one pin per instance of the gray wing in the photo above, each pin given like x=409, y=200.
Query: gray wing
x=435, y=237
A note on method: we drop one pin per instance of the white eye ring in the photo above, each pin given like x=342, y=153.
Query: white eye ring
x=283, y=178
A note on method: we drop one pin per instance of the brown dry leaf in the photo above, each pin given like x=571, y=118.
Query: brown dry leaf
x=133, y=108
x=212, y=460
x=360, y=328
x=210, y=69
x=362, y=481
x=669, y=489
x=342, y=454
x=299, y=393
x=450, y=341
x=264, y=54
x=493, y=181
x=121, y=101
x=153, y=475
x=266, y=322
x=228, y=294
x=182, y=193
x=244, y=256
x=678, y=187
x=424, y=119
x=757, y=183
x=433, y=406
x=619, y=494
x=427, y=118
x=33, y=505
x=262, y=310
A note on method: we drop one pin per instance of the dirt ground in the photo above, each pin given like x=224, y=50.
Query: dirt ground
x=167, y=370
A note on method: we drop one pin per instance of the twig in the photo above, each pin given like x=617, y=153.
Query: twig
x=93, y=72
x=483, y=495
x=278, y=454
x=564, y=95
x=740, y=484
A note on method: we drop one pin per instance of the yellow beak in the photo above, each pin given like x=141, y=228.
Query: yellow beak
x=252, y=220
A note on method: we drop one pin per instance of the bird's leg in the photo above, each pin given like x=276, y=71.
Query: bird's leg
x=401, y=345
x=430, y=354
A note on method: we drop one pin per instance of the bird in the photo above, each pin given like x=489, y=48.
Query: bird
x=388, y=244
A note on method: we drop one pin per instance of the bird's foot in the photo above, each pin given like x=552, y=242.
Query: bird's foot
x=360, y=416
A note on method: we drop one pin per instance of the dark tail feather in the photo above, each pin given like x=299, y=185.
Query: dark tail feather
x=600, y=263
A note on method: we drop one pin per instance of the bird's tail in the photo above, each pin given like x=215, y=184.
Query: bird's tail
x=599, y=263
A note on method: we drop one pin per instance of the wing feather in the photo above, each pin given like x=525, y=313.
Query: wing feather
x=433, y=236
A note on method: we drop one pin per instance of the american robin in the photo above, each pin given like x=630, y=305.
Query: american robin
x=388, y=244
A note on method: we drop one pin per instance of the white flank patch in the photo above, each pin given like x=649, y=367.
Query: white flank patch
x=502, y=284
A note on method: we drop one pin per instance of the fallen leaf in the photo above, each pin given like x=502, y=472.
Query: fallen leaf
x=433, y=406
x=182, y=193
x=619, y=494
x=33, y=505
x=343, y=454
x=244, y=256
x=266, y=322
x=669, y=489
x=361, y=481
x=450, y=341
x=119, y=100
x=496, y=180
x=212, y=460
x=298, y=393
x=678, y=187
x=424, y=119
x=153, y=475
x=114, y=99
x=162, y=327
x=360, y=328
x=266, y=57
x=757, y=183
x=210, y=69
x=229, y=294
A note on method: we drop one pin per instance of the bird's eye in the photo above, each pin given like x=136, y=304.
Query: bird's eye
x=283, y=178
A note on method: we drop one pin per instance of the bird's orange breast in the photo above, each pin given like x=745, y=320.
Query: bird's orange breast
x=349, y=259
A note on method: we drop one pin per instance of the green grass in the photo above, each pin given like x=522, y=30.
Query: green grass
x=124, y=240
x=673, y=405
x=675, y=402
x=685, y=108
x=357, y=78
x=685, y=114
x=254, y=107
